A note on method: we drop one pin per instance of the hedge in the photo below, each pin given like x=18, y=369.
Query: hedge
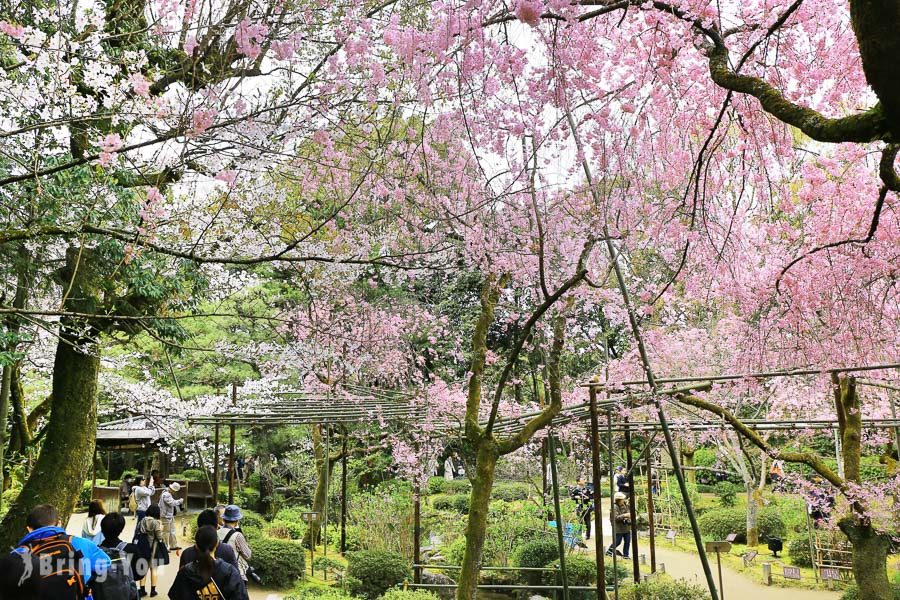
x=319, y=593
x=664, y=589
x=720, y=522
x=852, y=592
x=511, y=491
x=280, y=563
x=579, y=571
x=285, y=529
x=409, y=595
x=370, y=573
x=456, y=502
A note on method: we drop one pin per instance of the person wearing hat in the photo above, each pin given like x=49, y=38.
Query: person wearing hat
x=168, y=506
x=231, y=534
x=620, y=519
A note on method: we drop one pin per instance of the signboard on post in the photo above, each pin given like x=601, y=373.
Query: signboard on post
x=829, y=574
x=730, y=538
x=310, y=517
x=718, y=546
x=670, y=535
x=792, y=573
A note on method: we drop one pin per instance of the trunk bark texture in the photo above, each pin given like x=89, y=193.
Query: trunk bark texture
x=754, y=499
x=65, y=457
x=324, y=469
x=870, y=552
x=476, y=527
x=266, y=484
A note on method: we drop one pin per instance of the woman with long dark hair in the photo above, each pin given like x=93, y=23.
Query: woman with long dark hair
x=91, y=528
x=208, y=577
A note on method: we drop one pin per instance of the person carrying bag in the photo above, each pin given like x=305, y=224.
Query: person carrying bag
x=208, y=577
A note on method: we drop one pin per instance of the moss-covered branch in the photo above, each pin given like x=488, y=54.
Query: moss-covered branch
x=806, y=458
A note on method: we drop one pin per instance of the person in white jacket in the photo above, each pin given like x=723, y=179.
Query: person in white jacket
x=168, y=506
x=142, y=492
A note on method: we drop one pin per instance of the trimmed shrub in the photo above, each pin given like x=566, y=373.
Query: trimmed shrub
x=409, y=595
x=319, y=593
x=436, y=485
x=727, y=493
x=252, y=520
x=511, y=492
x=720, y=522
x=535, y=554
x=194, y=475
x=579, y=571
x=622, y=571
x=664, y=589
x=457, y=486
x=280, y=563
x=371, y=573
x=457, y=502
x=798, y=550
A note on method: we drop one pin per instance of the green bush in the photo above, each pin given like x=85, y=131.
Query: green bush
x=322, y=564
x=280, y=563
x=535, y=554
x=436, y=485
x=285, y=529
x=798, y=550
x=457, y=486
x=87, y=491
x=252, y=520
x=720, y=522
x=193, y=475
x=511, y=491
x=319, y=593
x=371, y=573
x=579, y=571
x=456, y=502
x=664, y=589
x=727, y=493
x=409, y=595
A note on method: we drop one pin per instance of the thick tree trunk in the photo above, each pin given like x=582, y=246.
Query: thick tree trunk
x=324, y=469
x=66, y=453
x=687, y=460
x=870, y=550
x=754, y=499
x=476, y=527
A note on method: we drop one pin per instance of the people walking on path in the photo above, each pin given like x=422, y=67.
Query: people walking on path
x=232, y=535
x=168, y=508
x=224, y=551
x=151, y=543
x=620, y=519
x=206, y=576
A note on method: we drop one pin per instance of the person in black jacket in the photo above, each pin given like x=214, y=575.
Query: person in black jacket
x=208, y=577
x=224, y=551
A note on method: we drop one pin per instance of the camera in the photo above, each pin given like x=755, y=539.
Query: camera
x=253, y=575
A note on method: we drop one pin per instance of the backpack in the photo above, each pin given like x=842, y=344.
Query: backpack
x=132, y=502
x=55, y=568
x=117, y=583
x=209, y=590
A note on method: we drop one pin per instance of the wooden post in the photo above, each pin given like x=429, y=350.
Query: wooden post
x=650, y=509
x=344, y=495
x=108, y=461
x=598, y=512
x=231, y=449
x=558, y=514
x=94, y=481
x=216, y=466
x=612, y=493
x=632, y=508
x=417, y=531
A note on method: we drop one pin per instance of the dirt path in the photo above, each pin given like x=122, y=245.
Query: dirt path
x=166, y=573
x=687, y=566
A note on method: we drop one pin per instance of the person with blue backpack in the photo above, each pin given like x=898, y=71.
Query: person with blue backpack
x=50, y=564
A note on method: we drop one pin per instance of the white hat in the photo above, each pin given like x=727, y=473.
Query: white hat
x=175, y=486
x=618, y=496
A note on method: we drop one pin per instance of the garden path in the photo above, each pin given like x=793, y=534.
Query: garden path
x=166, y=574
x=684, y=565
